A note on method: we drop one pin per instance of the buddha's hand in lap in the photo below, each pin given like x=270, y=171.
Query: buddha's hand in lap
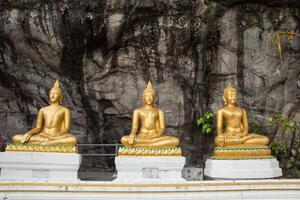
x=233, y=137
x=238, y=136
x=243, y=134
x=230, y=136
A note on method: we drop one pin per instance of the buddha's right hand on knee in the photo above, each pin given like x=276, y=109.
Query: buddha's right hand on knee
x=131, y=139
x=26, y=137
x=220, y=140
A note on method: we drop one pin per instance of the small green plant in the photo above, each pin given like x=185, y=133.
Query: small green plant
x=280, y=149
x=287, y=152
x=206, y=123
x=256, y=128
x=277, y=119
x=289, y=158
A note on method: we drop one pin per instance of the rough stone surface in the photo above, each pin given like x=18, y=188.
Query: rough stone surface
x=104, y=53
x=192, y=173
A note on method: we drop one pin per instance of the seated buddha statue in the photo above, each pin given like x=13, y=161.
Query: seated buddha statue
x=152, y=131
x=52, y=125
x=236, y=132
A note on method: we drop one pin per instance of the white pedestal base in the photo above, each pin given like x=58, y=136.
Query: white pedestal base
x=20, y=166
x=242, y=169
x=149, y=168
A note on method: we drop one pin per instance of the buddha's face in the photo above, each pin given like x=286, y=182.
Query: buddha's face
x=54, y=96
x=231, y=97
x=148, y=98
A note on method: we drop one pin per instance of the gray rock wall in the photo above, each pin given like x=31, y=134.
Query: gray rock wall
x=104, y=53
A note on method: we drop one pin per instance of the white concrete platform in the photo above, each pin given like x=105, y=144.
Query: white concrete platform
x=242, y=169
x=280, y=189
x=30, y=166
x=149, y=168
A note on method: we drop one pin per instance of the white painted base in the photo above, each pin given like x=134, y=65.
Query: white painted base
x=149, y=168
x=18, y=166
x=242, y=169
x=280, y=189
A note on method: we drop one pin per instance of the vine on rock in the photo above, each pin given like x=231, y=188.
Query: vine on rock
x=277, y=39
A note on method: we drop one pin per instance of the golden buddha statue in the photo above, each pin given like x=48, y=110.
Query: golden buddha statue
x=52, y=125
x=236, y=132
x=152, y=130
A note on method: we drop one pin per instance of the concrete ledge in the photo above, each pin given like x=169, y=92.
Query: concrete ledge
x=194, y=190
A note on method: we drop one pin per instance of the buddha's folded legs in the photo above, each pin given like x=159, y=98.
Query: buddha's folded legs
x=161, y=142
x=227, y=141
x=166, y=142
x=250, y=139
x=67, y=139
x=35, y=139
x=17, y=138
x=257, y=139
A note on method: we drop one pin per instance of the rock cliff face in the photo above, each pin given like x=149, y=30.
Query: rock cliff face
x=104, y=53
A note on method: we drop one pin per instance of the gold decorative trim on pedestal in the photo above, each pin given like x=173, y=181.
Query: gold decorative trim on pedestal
x=41, y=148
x=128, y=151
x=242, y=153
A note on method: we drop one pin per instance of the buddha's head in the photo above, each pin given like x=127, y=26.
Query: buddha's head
x=230, y=94
x=55, y=93
x=149, y=95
